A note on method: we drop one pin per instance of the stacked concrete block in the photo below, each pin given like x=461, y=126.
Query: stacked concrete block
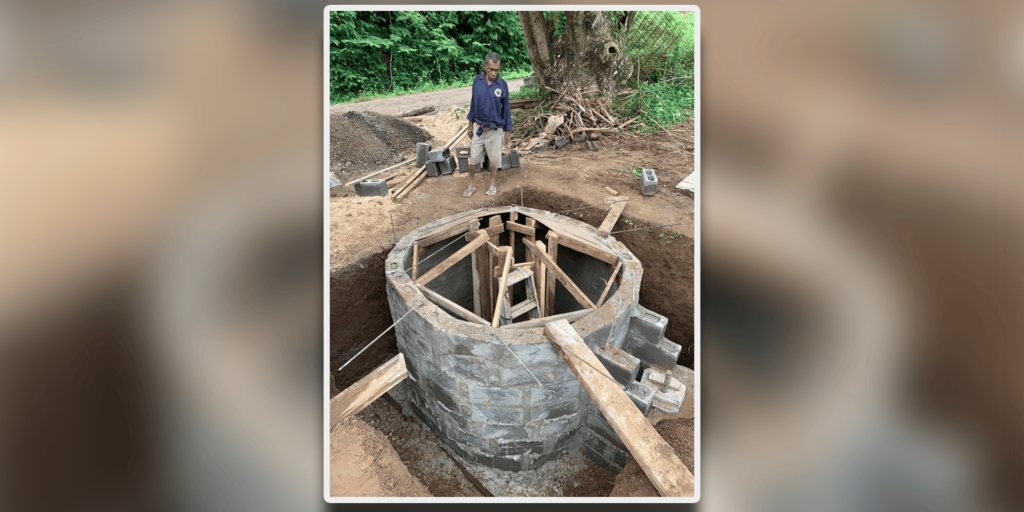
x=648, y=182
x=622, y=366
x=422, y=153
x=513, y=158
x=504, y=162
x=669, y=391
x=462, y=153
x=433, y=169
x=600, y=442
x=662, y=355
x=439, y=155
x=561, y=141
x=641, y=394
x=579, y=137
x=447, y=166
x=371, y=188
x=645, y=326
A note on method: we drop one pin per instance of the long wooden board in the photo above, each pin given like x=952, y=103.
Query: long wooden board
x=451, y=306
x=550, y=281
x=655, y=456
x=368, y=389
x=452, y=260
x=613, y=215
x=539, y=322
x=561, y=276
x=570, y=241
x=501, y=286
x=431, y=240
x=519, y=228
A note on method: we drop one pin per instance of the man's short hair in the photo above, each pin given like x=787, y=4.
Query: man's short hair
x=492, y=58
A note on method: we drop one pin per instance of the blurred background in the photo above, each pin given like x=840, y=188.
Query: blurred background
x=161, y=270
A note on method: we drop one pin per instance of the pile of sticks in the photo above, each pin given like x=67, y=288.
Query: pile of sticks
x=581, y=113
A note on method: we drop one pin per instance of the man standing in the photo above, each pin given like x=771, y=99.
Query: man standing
x=489, y=117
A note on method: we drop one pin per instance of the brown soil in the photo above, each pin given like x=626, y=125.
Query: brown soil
x=361, y=237
x=363, y=463
x=632, y=481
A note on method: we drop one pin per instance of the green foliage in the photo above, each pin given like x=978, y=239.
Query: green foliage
x=524, y=92
x=373, y=54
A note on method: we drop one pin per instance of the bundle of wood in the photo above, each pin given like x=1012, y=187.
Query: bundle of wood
x=575, y=112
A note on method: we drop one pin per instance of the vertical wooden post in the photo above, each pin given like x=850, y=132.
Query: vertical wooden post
x=475, y=264
x=527, y=255
x=541, y=276
x=512, y=216
x=492, y=283
x=549, y=300
x=415, y=260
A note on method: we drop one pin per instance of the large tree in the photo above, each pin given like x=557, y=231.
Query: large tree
x=589, y=53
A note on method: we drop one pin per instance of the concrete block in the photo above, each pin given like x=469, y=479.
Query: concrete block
x=462, y=154
x=463, y=165
x=561, y=142
x=537, y=353
x=645, y=326
x=641, y=395
x=648, y=182
x=439, y=155
x=504, y=162
x=555, y=392
x=554, y=427
x=498, y=415
x=669, y=391
x=662, y=355
x=440, y=395
x=555, y=410
x=620, y=364
x=432, y=169
x=591, y=146
x=371, y=188
x=513, y=158
x=600, y=427
x=495, y=396
x=579, y=137
x=504, y=432
x=520, y=448
x=447, y=166
x=422, y=153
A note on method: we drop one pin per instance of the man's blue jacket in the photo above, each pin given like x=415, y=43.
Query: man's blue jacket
x=489, y=105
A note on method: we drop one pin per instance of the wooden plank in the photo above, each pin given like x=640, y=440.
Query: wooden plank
x=532, y=224
x=452, y=260
x=451, y=306
x=495, y=231
x=608, y=286
x=652, y=453
x=560, y=275
x=492, y=222
x=542, y=276
x=512, y=216
x=368, y=389
x=415, y=260
x=539, y=322
x=613, y=216
x=460, y=218
x=519, y=228
x=431, y=240
x=522, y=307
x=412, y=186
x=476, y=266
x=501, y=286
x=570, y=241
x=549, y=293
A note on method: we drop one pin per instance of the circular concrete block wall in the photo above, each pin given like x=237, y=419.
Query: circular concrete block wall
x=465, y=382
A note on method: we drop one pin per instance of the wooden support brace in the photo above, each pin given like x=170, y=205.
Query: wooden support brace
x=652, y=453
x=541, y=274
x=494, y=221
x=431, y=240
x=451, y=306
x=501, y=286
x=519, y=228
x=613, y=216
x=512, y=216
x=608, y=286
x=540, y=322
x=575, y=244
x=452, y=260
x=560, y=275
x=476, y=266
x=550, y=281
x=368, y=389
x=415, y=260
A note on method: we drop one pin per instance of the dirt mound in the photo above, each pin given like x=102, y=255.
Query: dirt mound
x=363, y=142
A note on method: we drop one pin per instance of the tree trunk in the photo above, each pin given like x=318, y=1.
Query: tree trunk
x=588, y=55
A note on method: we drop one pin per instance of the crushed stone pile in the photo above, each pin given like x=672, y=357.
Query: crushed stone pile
x=363, y=142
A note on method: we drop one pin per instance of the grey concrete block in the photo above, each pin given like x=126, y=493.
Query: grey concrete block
x=371, y=188
x=504, y=162
x=439, y=394
x=537, y=353
x=662, y=355
x=433, y=169
x=447, y=166
x=439, y=155
x=422, y=153
x=555, y=410
x=498, y=415
x=579, y=137
x=561, y=141
x=555, y=392
x=601, y=428
x=554, y=427
x=513, y=463
x=520, y=448
x=591, y=146
x=475, y=369
x=509, y=432
x=641, y=395
x=462, y=152
x=622, y=366
x=513, y=158
x=495, y=396
x=645, y=326
x=669, y=391
x=518, y=376
x=415, y=347
x=648, y=182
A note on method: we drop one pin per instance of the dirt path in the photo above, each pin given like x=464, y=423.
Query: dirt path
x=439, y=99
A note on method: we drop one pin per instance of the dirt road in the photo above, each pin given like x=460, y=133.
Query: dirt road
x=439, y=99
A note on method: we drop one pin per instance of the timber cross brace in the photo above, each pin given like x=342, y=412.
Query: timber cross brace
x=479, y=288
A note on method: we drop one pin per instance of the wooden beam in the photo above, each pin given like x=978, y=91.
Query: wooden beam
x=493, y=221
x=495, y=231
x=512, y=216
x=532, y=224
x=560, y=275
x=452, y=260
x=451, y=306
x=431, y=240
x=461, y=218
x=476, y=265
x=541, y=275
x=570, y=241
x=415, y=260
x=539, y=322
x=368, y=389
x=549, y=293
x=652, y=453
x=613, y=216
x=608, y=286
x=412, y=186
x=519, y=228
x=501, y=286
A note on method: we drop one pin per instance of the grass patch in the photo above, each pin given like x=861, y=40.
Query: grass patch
x=426, y=87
